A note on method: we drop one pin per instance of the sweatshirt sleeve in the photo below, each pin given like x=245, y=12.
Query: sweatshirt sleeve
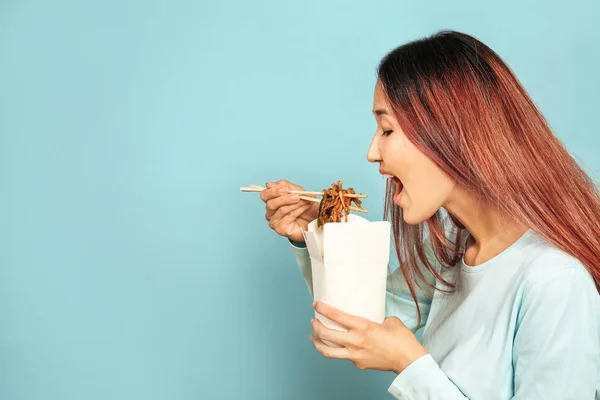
x=303, y=261
x=556, y=350
x=424, y=380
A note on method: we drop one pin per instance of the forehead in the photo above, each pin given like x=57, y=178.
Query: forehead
x=380, y=102
x=379, y=98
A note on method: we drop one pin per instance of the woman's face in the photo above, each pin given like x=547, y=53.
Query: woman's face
x=421, y=187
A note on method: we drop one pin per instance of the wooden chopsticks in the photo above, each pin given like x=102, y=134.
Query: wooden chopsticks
x=257, y=188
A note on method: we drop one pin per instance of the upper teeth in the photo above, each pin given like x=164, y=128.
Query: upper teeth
x=385, y=176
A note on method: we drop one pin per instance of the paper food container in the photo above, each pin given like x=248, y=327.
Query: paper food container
x=349, y=266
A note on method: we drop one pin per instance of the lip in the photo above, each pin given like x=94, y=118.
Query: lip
x=384, y=172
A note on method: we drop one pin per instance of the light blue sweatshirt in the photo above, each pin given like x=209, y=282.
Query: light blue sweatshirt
x=524, y=325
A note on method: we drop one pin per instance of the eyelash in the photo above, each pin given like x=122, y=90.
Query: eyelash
x=386, y=133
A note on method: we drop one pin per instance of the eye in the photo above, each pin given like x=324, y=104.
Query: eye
x=386, y=133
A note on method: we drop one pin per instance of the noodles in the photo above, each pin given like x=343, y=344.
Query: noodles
x=335, y=205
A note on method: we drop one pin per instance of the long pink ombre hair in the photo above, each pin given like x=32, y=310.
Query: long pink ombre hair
x=462, y=107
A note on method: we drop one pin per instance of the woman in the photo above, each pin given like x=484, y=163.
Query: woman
x=506, y=286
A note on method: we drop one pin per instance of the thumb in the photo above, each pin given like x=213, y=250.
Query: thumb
x=393, y=321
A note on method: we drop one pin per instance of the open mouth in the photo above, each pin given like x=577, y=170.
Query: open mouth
x=398, y=186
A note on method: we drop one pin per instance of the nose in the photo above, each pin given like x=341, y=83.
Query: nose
x=373, y=152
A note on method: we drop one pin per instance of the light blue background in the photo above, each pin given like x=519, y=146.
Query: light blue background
x=131, y=267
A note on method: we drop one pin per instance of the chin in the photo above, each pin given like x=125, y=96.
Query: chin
x=415, y=220
x=411, y=221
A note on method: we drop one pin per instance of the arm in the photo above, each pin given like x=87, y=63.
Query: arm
x=423, y=379
x=303, y=261
x=556, y=345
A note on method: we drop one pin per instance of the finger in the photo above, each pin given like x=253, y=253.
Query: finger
x=288, y=219
x=342, y=318
x=277, y=188
x=272, y=193
x=344, y=339
x=292, y=216
x=288, y=185
x=328, y=351
x=286, y=211
x=285, y=226
x=393, y=322
x=276, y=203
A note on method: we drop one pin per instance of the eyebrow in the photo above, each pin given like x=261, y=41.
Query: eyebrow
x=380, y=112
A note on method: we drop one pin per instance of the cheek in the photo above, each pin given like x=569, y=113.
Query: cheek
x=399, y=155
x=426, y=192
x=426, y=187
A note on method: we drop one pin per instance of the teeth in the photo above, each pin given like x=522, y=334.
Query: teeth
x=386, y=176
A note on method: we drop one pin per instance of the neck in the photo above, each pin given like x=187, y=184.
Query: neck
x=492, y=231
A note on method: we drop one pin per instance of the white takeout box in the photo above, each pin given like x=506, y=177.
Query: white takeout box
x=349, y=266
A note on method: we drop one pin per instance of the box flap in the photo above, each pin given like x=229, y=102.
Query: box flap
x=312, y=245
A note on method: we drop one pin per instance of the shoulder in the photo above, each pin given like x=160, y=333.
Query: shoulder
x=545, y=265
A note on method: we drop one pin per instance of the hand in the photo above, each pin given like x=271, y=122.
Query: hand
x=390, y=346
x=287, y=214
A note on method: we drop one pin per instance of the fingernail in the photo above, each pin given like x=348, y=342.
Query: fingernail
x=294, y=197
